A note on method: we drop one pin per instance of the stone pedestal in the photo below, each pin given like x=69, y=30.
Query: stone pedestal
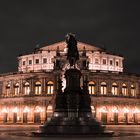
x=72, y=114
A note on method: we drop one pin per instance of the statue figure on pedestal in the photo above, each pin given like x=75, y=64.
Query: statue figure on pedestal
x=72, y=54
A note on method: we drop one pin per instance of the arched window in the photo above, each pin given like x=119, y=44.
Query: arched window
x=133, y=91
x=114, y=89
x=124, y=90
x=8, y=87
x=16, y=89
x=26, y=88
x=38, y=88
x=103, y=88
x=50, y=87
x=91, y=87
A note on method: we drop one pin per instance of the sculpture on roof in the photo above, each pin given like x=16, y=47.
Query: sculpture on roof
x=72, y=54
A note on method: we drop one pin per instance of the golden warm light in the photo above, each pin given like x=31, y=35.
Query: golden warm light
x=26, y=109
x=15, y=110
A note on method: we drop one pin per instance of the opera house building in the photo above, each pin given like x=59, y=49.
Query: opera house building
x=27, y=96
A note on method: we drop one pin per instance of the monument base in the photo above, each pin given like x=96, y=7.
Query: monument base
x=72, y=126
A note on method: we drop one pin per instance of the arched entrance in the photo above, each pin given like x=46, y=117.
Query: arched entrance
x=5, y=115
x=115, y=115
x=93, y=111
x=15, y=111
x=135, y=115
x=103, y=111
x=49, y=112
x=125, y=111
x=37, y=114
x=25, y=114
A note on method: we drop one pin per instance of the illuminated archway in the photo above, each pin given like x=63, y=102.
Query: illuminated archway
x=124, y=90
x=50, y=87
x=114, y=89
x=103, y=111
x=103, y=88
x=91, y=87
x=115, y=114
x=37, y=114
x=26, y=110
x=16, y=89
x=37, y=88
x=5, y=115
x=133, y=91
x=26, y=88
x=8, y=89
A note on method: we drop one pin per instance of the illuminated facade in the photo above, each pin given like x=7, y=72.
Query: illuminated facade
x=27, y=96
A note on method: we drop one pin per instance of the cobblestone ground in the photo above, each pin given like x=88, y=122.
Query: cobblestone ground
x=17, y=129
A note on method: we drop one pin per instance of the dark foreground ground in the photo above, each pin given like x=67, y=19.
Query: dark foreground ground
x=5, y=130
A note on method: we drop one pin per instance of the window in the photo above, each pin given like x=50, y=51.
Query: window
x=133, y=91
x=103, y=88
x=16, y=89
x=111, y=62
x=114, y=89
x=44, y=60
x=50, y=87
x=96, y=61
x=8, y=90
x=91, y=87
x=38, y=88
x=117, y=63
x=26, y=88
x=104, y=61
x=30, y=62
x=124, y=90
x=37, y=61
x=23, y=63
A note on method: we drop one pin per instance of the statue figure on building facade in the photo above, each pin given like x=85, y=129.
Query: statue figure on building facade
x=72, y=54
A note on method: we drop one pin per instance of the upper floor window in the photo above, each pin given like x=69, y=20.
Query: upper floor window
x=44, y=60
x=124, y=90
x=16, y=89
x=30, y=62
x=114, y=89
x=37, y=61
x=50, y=87
x=96, y=61
x=8, y=87
x=38, y=88
x=104, y=61
x=23, y=63
x=103, y=88
x=91, y=87
x=26, y=88
x=133, y=91
x=111, y=62
x=117, y=63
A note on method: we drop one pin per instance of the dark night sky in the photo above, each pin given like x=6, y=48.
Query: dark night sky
x=112, y=23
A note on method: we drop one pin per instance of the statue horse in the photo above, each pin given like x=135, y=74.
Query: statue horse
x=72, y=54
